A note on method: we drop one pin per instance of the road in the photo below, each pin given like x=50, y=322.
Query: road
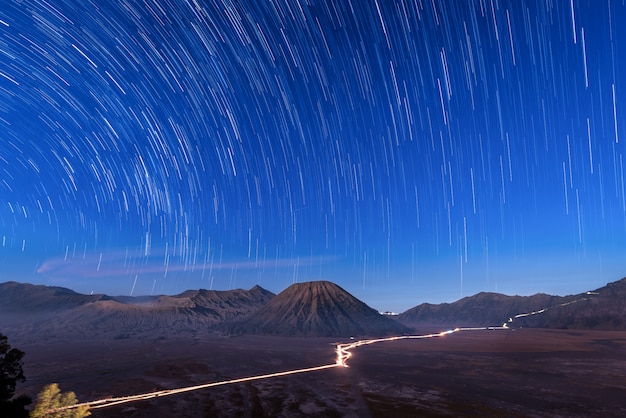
x=343, y=354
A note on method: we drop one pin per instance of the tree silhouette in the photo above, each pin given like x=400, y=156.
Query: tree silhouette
x=11, y=372
x=50, y=400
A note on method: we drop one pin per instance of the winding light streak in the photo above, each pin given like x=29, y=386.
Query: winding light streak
x=540, y=311
x=103, y=403
x=342, y=351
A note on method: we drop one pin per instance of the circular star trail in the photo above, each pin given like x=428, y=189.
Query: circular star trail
x=408, y=150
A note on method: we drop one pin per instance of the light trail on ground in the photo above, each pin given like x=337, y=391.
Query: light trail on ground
x=103, y=403
x=342, y=351
x=540, y=311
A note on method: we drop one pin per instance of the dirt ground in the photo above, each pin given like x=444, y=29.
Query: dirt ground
x=524, y=372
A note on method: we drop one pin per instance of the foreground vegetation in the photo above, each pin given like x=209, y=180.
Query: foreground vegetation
x=51, y=402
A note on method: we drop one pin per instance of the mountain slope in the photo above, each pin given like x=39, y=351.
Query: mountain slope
x=603, y=308
x=316, y=309
x=51, y=311
x=482, y=309
x=29, y=298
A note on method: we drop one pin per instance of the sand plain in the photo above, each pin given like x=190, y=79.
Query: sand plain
x=523, y=372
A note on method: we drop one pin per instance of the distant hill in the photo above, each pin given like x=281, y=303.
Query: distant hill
x=43, y=310
x=316, y=309
x=25, y=298
x=603, y=308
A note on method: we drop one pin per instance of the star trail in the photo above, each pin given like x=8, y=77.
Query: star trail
x=409, y=151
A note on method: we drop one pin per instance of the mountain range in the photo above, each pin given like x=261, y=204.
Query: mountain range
x=603, y=308
x=43, y=310
x=309, y=309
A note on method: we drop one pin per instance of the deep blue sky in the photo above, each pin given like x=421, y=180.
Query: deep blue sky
x=409, y=151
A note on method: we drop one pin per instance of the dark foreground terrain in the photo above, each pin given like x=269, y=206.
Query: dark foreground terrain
x=525, y=372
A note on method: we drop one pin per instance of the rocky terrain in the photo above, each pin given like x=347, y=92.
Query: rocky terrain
x=51, y=312
x=603, y=308
x=311, y=309
x=316, y=309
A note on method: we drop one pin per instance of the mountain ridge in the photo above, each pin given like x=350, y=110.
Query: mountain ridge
x=304, y=309
x=37, y=311
x=602, y=308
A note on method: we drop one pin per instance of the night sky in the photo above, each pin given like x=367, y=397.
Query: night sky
x=409, y=151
